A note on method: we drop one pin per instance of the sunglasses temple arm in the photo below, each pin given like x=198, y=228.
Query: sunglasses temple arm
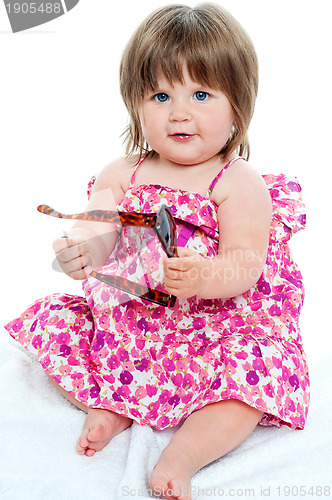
x=93, y=215
x=124, y=218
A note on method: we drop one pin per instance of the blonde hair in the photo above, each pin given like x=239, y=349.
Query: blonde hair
x=217, y=51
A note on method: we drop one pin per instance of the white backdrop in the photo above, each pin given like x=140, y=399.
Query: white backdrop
x=61, y=117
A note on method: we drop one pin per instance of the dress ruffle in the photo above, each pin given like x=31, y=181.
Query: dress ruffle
x=289, y=214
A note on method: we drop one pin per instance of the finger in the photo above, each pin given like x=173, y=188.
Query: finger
x=78, y=264
x=187, y=252
x=81, y=275
x=182, y=292
x=177, y=264
x=61, y=244
x=72, y=252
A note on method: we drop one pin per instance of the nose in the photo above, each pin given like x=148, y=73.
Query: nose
x=180, y=111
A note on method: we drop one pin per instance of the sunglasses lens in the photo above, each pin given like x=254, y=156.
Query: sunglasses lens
x=167, y=232
x=166, y=229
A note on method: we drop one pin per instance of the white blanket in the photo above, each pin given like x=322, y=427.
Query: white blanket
x=39, y=429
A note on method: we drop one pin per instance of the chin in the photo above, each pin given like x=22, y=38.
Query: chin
x=184, y=159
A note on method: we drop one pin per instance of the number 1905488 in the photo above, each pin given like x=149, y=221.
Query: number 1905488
x=34, y=8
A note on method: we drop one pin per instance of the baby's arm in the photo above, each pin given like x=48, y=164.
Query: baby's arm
x=89, y=244
x=244, y=218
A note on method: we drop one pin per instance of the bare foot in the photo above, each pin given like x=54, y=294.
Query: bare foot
x=171, y=477
x=99, y=428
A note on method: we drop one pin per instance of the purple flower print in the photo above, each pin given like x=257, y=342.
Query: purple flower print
x=294, y=186
x=116, y=314
x=256, y=351
x=113, y=362
x=268, y=389
x=275, y=310
x=263, y=287
x=143, y=325
x=65, y=350
x=237, y=321
x=63, y=338
x=174, y=400
x=199, y=323
x=274, y=193
x=132, y=268
x=94, y=392
x=222, y=316
x=154, y=406
x=303, y=219
x=163, y=422
x=117, y=397
x=33, y=326
x=126, y=378
x=294, y=382
x=110, y=340
x=216, y=384
x=295, y=280
x=159, y=313
x=56, y=307
x=78, y=308
x=256, y=306
x=164, y=396
x=188, y=381
x=37, y=342
x=252, y=378
x=141, y=364
x=177, y=379
x=123, y=354
x=168, y=364
x=100, y=341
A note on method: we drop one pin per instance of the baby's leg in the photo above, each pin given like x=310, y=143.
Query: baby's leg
x=206, y=435
x=99, y=428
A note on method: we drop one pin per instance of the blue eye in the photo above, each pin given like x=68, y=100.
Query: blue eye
x=161, y=97
x=201, y=96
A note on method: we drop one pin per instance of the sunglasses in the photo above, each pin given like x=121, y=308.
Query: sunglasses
x=163, y=225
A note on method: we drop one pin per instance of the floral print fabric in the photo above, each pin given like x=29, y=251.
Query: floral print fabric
x=158, y=364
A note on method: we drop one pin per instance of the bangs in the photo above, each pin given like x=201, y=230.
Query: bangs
x=184, y=41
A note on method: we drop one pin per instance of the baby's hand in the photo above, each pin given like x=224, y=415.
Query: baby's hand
x=184, y=275
x=73, y=256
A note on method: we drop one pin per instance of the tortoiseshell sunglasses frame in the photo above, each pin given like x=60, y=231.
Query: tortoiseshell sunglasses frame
x=153, y=221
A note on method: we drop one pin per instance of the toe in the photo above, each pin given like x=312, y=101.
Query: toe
x=89, y=452
x=83, y=442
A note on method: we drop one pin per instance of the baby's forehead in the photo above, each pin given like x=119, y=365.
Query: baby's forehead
x=184, y=74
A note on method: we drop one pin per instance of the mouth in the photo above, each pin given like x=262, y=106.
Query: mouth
x=182, y=136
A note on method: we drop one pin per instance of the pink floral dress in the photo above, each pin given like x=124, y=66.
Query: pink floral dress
x=158, y=364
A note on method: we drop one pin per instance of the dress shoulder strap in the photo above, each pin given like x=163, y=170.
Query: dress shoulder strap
x=217, y=177
x=132, y=179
